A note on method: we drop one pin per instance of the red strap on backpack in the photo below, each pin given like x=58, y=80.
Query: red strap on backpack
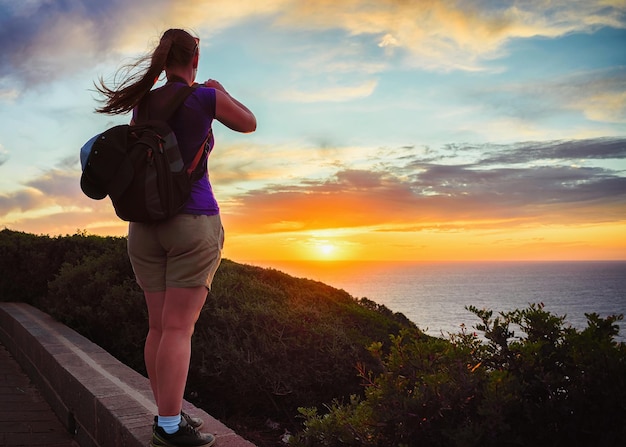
x=199, y=154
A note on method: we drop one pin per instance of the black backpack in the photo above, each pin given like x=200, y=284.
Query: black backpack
x=140, y=167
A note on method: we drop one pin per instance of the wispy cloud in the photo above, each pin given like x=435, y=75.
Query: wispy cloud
x=453, y=34
x=548, y=190
x=4, y=155
x=330, y=94
x=568, y=152
x=41, y=40
x=54, y=204
x=516, y=186
x=599, y=96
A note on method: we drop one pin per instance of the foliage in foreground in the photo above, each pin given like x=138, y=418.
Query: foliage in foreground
x=265, y=343
x=553, y=386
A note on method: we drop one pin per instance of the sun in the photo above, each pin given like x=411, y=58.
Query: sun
x=327, y=249
x=324, y=247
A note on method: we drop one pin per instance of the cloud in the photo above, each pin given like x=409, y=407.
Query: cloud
x=598, y=95
x=21, y=200
x=601, y=96
x=54, y=204
x=427, y=194
x=53, y=188
x=330, y=94
x=4, y=155
x=546, y=152
x=453, y=34
x=453, y=188
x=388, y=41
x=43, y=40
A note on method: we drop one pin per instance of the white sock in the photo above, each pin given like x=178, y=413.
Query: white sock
x=169, y=424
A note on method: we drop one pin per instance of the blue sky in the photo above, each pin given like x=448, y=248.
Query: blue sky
x=435, y=129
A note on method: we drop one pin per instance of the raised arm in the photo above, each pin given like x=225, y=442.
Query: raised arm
x=230, y=112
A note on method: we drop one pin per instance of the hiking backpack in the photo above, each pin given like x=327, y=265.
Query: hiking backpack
x=140, y=167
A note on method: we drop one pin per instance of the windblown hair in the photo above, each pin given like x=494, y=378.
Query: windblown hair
x=176, y=48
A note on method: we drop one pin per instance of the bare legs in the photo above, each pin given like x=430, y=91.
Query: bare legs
x=172, y=317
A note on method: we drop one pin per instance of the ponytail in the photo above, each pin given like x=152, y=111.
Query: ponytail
x=176, y=47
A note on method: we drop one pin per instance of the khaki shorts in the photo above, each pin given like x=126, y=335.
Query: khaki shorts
x=184, y=251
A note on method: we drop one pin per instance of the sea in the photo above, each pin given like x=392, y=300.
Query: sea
x=434, y=295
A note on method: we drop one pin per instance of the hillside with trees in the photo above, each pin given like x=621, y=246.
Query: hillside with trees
x=273, y=353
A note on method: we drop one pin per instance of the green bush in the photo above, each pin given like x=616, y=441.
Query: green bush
x=29, y=262
x=288, y=342
x=97, y=296
x=552, y=386
x=265, y=343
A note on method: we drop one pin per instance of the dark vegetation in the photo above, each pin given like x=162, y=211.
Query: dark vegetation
x=340, y=371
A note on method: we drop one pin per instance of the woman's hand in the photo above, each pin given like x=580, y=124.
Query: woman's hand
x=214, y=84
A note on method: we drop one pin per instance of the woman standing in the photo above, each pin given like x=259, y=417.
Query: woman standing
x=175, y=260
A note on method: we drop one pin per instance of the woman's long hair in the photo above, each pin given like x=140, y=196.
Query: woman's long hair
x=176, y=48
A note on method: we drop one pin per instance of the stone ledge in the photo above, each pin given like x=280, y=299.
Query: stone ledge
x=99, y=399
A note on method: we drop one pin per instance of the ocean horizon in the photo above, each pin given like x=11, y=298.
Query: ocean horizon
x=434, y=295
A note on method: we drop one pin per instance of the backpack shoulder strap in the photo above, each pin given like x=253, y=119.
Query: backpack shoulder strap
x=176, y=101
x=144, y=114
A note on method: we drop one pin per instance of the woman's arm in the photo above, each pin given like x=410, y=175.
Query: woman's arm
x=230, y=112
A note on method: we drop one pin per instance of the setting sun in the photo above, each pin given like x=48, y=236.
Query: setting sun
x=327, y=249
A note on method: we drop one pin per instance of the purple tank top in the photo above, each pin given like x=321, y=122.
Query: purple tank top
x=191, y=123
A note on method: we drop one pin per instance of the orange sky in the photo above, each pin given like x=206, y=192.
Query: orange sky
x=554, y=242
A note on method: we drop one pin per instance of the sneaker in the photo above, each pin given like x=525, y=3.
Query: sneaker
x=194, y=422
x=186, y=436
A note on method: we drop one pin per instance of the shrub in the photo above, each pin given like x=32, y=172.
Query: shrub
x=97, y=296
x=288, y=342
x=552, y=386
x=29, y=262
x=265, y=343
